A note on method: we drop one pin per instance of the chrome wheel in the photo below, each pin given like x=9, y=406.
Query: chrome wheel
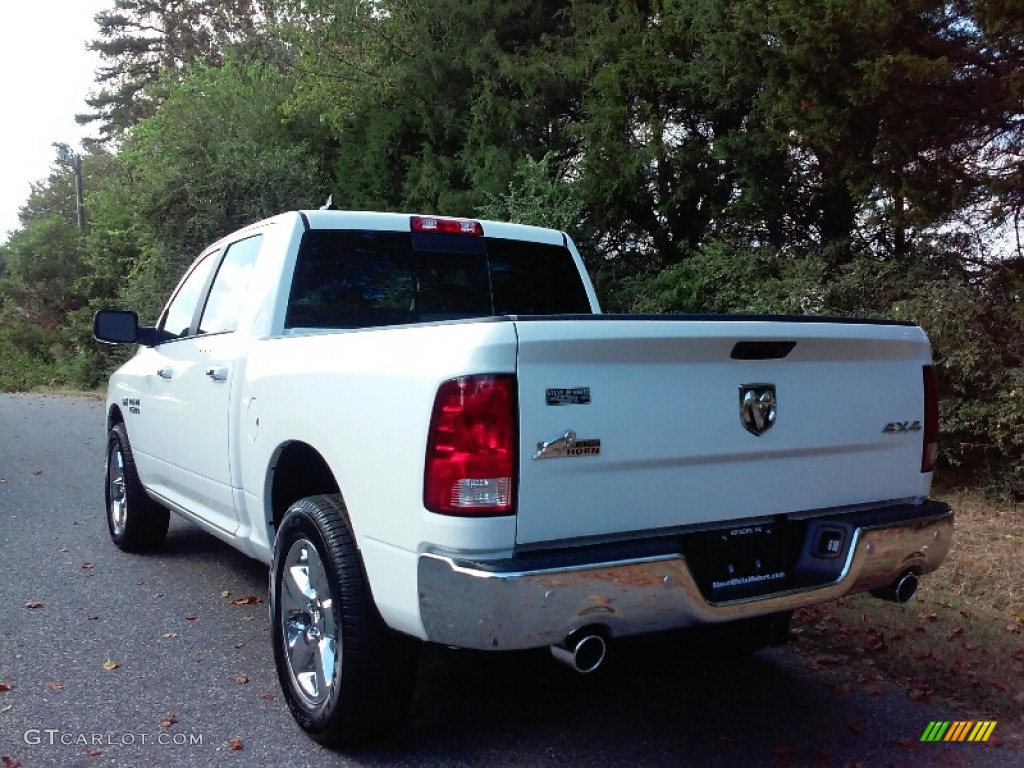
x=308, y=622
x=117, y=502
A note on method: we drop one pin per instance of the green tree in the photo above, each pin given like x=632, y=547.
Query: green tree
x=882, y=113
x=142, y=41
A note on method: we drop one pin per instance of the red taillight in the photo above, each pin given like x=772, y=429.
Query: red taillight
x=446, y=226
x=930, y=451
x=471, y=447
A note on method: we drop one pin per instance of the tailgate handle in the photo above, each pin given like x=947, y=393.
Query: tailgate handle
x=761, y=350
x=556, y=446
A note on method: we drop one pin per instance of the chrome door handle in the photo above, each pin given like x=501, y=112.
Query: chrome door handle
x=217, y=374
x=165, y=373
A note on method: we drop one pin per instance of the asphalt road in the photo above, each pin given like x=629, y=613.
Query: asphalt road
x=195, y=671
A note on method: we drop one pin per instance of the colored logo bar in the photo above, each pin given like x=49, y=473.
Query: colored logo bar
x=958, y=730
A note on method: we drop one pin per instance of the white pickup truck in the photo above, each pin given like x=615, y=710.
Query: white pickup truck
x=428, y=430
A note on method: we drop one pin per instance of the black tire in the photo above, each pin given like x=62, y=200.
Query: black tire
x=136, y=522
x=348, y=678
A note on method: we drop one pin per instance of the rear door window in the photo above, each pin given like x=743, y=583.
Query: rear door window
x=227, y=294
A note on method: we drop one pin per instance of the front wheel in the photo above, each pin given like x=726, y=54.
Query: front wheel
x=135, y=521
x=346, y=676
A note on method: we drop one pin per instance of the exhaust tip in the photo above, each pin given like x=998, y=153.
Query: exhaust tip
x=906, y=588
x=903, y=590
x=583, y=652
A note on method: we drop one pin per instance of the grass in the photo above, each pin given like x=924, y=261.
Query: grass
x=960, y=644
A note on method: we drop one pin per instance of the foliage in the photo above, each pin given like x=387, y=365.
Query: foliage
x=143, y=42
x=539, y=194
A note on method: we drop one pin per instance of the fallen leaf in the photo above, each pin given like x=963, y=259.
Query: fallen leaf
x=235, y=743
x=1002, y=685
x=954, y=633
x=239, y=645
x=3, y=481
x=168, y=721
x=240, y=679
x=1014, y=628
x=191, y=617
x=109, y=664
x=5, y=687
x=94, y=752
x=225, y=593
x=783, y=752
x=827, y=660
x=5, y=710
x=37, y=471
x=874, y=642
x=970, y=646
x=927, y=615
x=33, y=604
x=267, y=697
x=158, y=594
x=250, y=600
x=9, y=762
x=1018, y=654
x=88, y=566
x=170, y=635
x=919, y=693
x=53, y=685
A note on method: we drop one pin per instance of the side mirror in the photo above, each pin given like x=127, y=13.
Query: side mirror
x=115, y=326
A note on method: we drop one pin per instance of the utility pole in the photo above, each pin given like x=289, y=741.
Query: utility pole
x=64, y=156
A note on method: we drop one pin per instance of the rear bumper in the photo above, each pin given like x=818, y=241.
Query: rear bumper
x=529, y=602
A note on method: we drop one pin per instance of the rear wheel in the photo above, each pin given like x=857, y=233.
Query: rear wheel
x=346, y=676
x=135, y=521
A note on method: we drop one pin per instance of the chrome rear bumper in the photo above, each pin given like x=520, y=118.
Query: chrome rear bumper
x=476, y=605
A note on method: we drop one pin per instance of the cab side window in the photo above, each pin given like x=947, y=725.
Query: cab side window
x=177, y=320
x=227, y=295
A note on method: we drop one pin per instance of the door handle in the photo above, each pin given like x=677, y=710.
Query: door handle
x=165, y=372
x=217, y=374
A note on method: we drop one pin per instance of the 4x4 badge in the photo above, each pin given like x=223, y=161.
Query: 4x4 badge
x=757, y=407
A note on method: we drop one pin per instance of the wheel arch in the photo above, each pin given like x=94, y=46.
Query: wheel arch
x=114, y=416
x=297, y=470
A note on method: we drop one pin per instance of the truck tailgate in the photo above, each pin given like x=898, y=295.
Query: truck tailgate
x=634, y=425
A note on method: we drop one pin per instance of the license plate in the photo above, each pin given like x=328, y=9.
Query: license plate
x=746, y=560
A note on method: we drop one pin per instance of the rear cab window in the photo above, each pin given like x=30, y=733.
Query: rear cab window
x=368, y=278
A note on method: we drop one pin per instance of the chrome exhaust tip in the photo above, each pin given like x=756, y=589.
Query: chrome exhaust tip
x=902, y=590
x=584, y=652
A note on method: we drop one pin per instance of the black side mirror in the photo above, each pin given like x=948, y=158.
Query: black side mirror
x=116, y=326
